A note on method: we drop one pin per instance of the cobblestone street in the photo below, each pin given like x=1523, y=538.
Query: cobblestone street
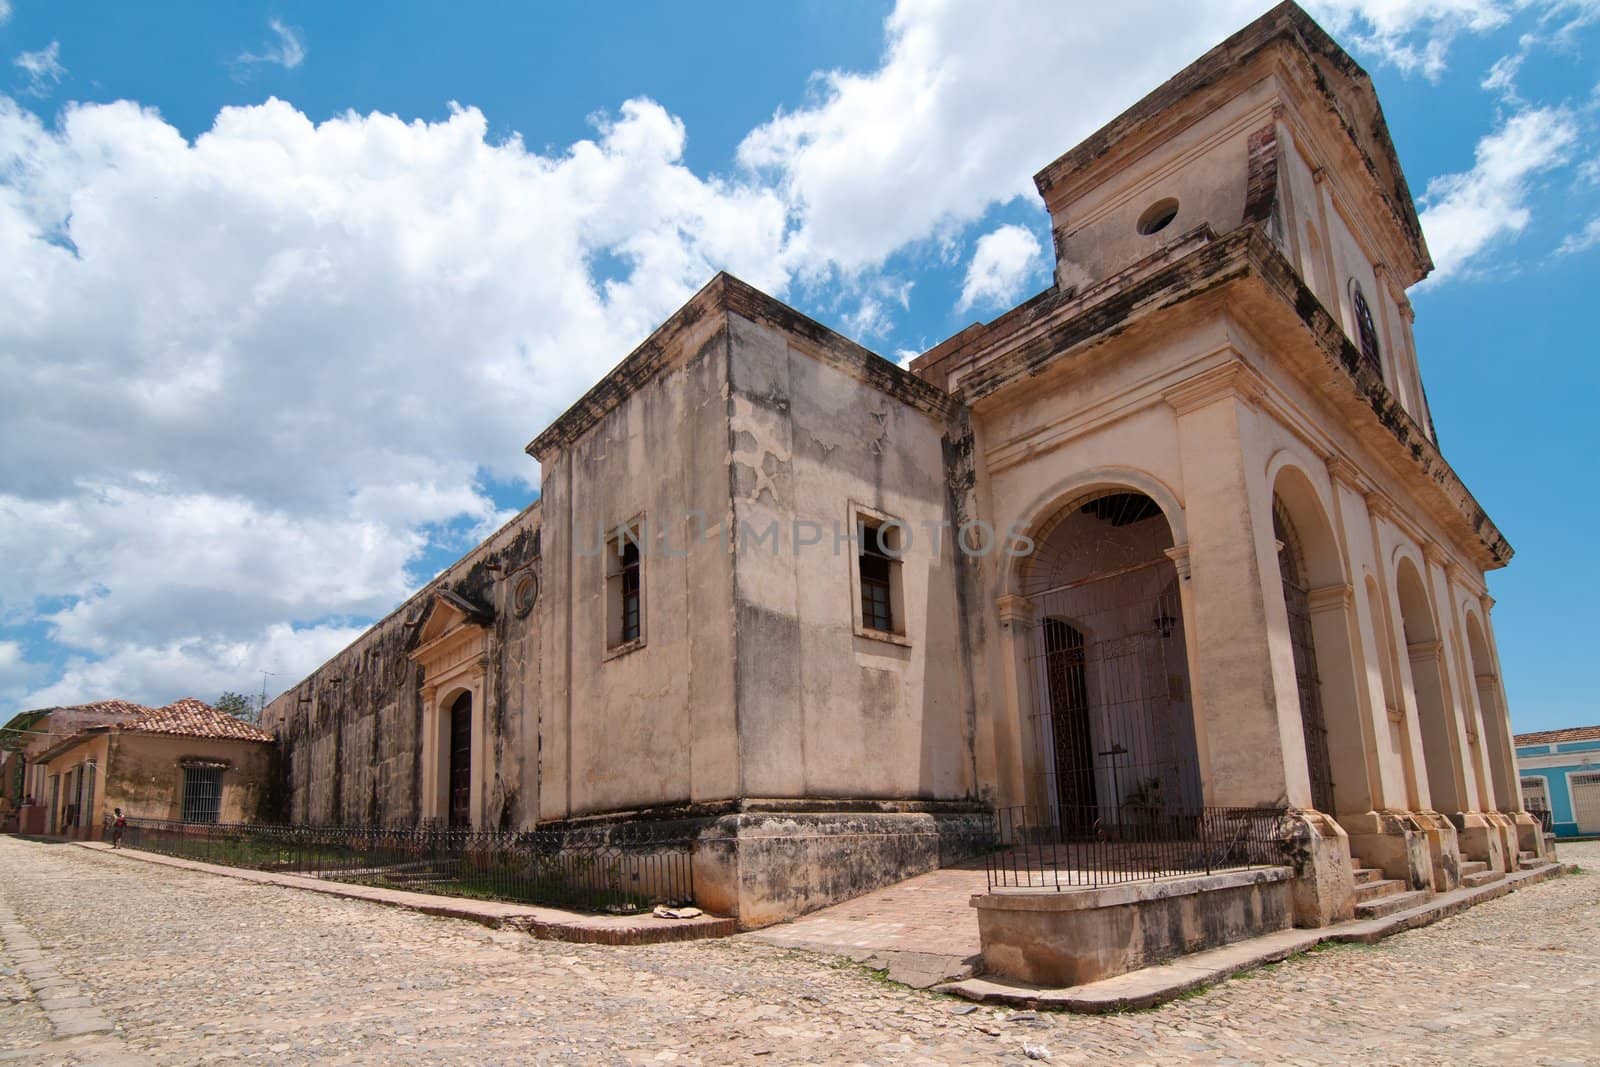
x=195, y=968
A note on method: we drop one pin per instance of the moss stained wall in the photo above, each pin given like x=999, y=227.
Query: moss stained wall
x=349, y=736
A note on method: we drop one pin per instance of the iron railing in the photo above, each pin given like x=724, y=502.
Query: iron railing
x=1082, y=848
x=1544, y=818
x=620, y=868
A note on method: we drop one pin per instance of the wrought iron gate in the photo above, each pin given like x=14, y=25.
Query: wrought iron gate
x=1112, y=722
x=461, y=762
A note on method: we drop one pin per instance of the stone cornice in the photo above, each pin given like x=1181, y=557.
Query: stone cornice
x=1231, y=379
x=1330, y=597
x=1346, y=473
x=681, y=335
x=1014, y=609
x=1423, y=651
x=1179, y=555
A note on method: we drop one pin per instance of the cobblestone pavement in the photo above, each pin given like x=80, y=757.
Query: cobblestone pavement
x=200, y=968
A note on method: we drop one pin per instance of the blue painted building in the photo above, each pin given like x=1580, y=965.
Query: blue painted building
x=1560, y=771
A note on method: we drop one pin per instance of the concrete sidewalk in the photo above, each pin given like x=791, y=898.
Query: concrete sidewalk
x=547, y=924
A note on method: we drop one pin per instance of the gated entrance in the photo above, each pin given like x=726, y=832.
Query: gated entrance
x=1112, y=723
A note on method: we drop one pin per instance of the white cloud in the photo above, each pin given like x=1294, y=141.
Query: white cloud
x=1502, y=76
x=253, y=371
x=287, y=51
x=5, y=11
x=256, y=375
x=1413, y=35
x=1004, y=261
x=199, y=666
x=968, y=102
x=1467, y=212
x=43, y=69
x=1583, y=240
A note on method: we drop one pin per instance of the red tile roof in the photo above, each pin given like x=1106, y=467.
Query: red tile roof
x=108, y=707
x=194, y=718
x=1558, y=737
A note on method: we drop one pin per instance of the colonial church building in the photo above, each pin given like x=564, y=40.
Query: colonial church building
x=1177, y=531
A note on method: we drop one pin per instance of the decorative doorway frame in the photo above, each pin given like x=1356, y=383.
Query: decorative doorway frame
x=452, y=649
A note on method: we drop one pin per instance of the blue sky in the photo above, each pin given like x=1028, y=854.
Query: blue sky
x=290, y=285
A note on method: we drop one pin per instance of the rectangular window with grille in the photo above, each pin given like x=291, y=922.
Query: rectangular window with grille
x=625, y=587
x=202, y=794
x=878, y=574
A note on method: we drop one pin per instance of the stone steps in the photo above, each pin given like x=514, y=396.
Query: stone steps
x=1367, y=892
x=1391, y=903
x=1475, y=873
x=1526, y=860
x=1377, y=896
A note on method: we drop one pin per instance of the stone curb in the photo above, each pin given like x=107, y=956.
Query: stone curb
x=68, y=1009
x=546, y=924
x=1152, y=986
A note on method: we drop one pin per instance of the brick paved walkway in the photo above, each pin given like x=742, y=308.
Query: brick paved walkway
x=195, y=968
x=922, y=930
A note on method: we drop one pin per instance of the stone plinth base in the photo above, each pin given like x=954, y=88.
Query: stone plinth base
x=1444, y=849
x=1083, y=935
x=1393, y=841
x=764, y=866
x=1481, y=839
x=1530, y=835
x=1324, y=888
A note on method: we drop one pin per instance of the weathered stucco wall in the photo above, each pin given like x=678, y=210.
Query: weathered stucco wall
x=653, y=723
x=144, y=775
x=350, y=734
x=826, y=710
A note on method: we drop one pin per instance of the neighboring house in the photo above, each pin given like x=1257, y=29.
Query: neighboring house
x=29, y=734
x=1174, y=533
x=1561, y=775
x=184, y=762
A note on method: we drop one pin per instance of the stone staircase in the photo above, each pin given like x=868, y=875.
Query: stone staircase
x=1377, y=896
x=1475, y=873
x=1528, y=860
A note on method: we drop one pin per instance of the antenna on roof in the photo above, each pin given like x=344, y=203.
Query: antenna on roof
x=261, y=708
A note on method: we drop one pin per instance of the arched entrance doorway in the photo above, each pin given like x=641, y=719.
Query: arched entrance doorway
x=459, y=779
x=1502, y=769
x=1112, y=726
x=1441, y=754
x=1319, y=603
x=1308, y=681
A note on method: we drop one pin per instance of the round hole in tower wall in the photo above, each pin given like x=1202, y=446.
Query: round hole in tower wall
x=1158, y=216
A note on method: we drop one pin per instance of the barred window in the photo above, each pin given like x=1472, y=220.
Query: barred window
x=202, y=794
x=878, y=572
x=625, y=587
x=1366, y=329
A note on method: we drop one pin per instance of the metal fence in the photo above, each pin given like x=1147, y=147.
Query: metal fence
x=1082, y=848
x=621, y=868
x=1543, y=817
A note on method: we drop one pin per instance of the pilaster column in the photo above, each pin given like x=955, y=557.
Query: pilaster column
x=1015, y=743
x=1250, y=759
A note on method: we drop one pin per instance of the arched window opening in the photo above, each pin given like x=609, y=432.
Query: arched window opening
x=1113, y=731
x=1297, y=601
x=1366, y=329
